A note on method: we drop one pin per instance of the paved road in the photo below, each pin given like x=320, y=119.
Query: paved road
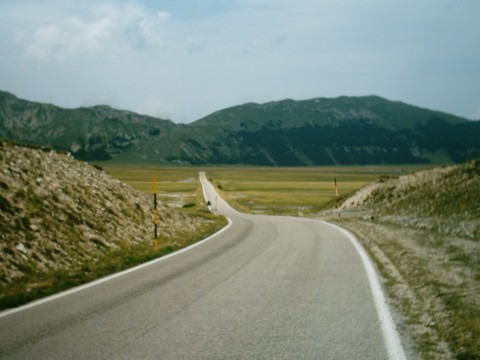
x=265, y=288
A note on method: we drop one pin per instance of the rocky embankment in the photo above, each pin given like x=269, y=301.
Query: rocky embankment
x=57, y=212
x=446, y=200
x=423, y=231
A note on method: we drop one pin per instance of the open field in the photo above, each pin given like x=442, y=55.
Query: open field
x=429, y=258
x=293, y=191
x=437, y=299
x=300, y=191
x=168, y=179
x=178, y=187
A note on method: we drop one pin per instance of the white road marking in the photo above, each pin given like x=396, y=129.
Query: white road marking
x=109, y=277
x=391, y=337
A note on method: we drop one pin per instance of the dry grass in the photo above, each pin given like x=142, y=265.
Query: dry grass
x=432, y=273
x=423, y=231
x=292, y=191
x=64, y=223
x=36, y=284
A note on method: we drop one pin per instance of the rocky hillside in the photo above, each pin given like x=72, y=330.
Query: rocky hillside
x=57, y=212
x=321, y=131
x=423, y=232
x=446, y=200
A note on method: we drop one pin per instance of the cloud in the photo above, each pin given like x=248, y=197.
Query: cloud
x=163, y=16
x=98, y=29
x=191, y=57
x=69, y=38
x=46, y=41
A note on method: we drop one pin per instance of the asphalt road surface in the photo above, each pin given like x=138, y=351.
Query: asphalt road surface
x=264, y=288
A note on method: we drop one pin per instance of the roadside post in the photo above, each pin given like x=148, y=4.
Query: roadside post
x=155, y=211
x=336, y=192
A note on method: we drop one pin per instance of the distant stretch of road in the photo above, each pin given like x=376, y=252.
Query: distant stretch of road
x=263, y=288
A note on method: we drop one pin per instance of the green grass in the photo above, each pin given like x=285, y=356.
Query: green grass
x=291, y=191
x=169, y=180
x=181, y=182
x=37, y=284
x=175, y=186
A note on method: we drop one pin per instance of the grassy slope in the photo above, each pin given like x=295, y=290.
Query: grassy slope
x=423, y=230
x=34, y=278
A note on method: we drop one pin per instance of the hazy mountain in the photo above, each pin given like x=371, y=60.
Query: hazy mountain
x=344, y=130
x=287, y=114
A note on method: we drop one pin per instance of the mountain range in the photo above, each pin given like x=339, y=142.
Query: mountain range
x=320, y=131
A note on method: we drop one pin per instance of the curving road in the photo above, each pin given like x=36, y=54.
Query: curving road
x=264, y=288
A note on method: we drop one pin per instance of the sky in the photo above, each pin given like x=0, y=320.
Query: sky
x=184, y=59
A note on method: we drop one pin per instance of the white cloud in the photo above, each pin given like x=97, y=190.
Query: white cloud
x=46, y=41
x=163, y=16
x=187, y=58
x=96, y=30
x=69, y=38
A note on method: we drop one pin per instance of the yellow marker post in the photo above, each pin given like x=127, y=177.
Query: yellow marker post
x=336, y=191
x=155, y=210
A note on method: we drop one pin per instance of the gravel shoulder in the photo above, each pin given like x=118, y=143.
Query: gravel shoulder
x=432, y=280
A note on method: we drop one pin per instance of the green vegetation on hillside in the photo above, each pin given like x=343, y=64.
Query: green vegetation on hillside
x=287, y=114
x=342, y=131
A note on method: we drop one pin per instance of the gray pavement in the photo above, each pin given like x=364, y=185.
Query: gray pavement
x=265, y=288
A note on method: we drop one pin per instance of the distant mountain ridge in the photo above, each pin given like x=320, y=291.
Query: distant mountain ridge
x=320, y=131
x=90, y=133
x=289, y=113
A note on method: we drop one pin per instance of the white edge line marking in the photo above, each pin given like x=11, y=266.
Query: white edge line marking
x=110, y=277
x=391, y=337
